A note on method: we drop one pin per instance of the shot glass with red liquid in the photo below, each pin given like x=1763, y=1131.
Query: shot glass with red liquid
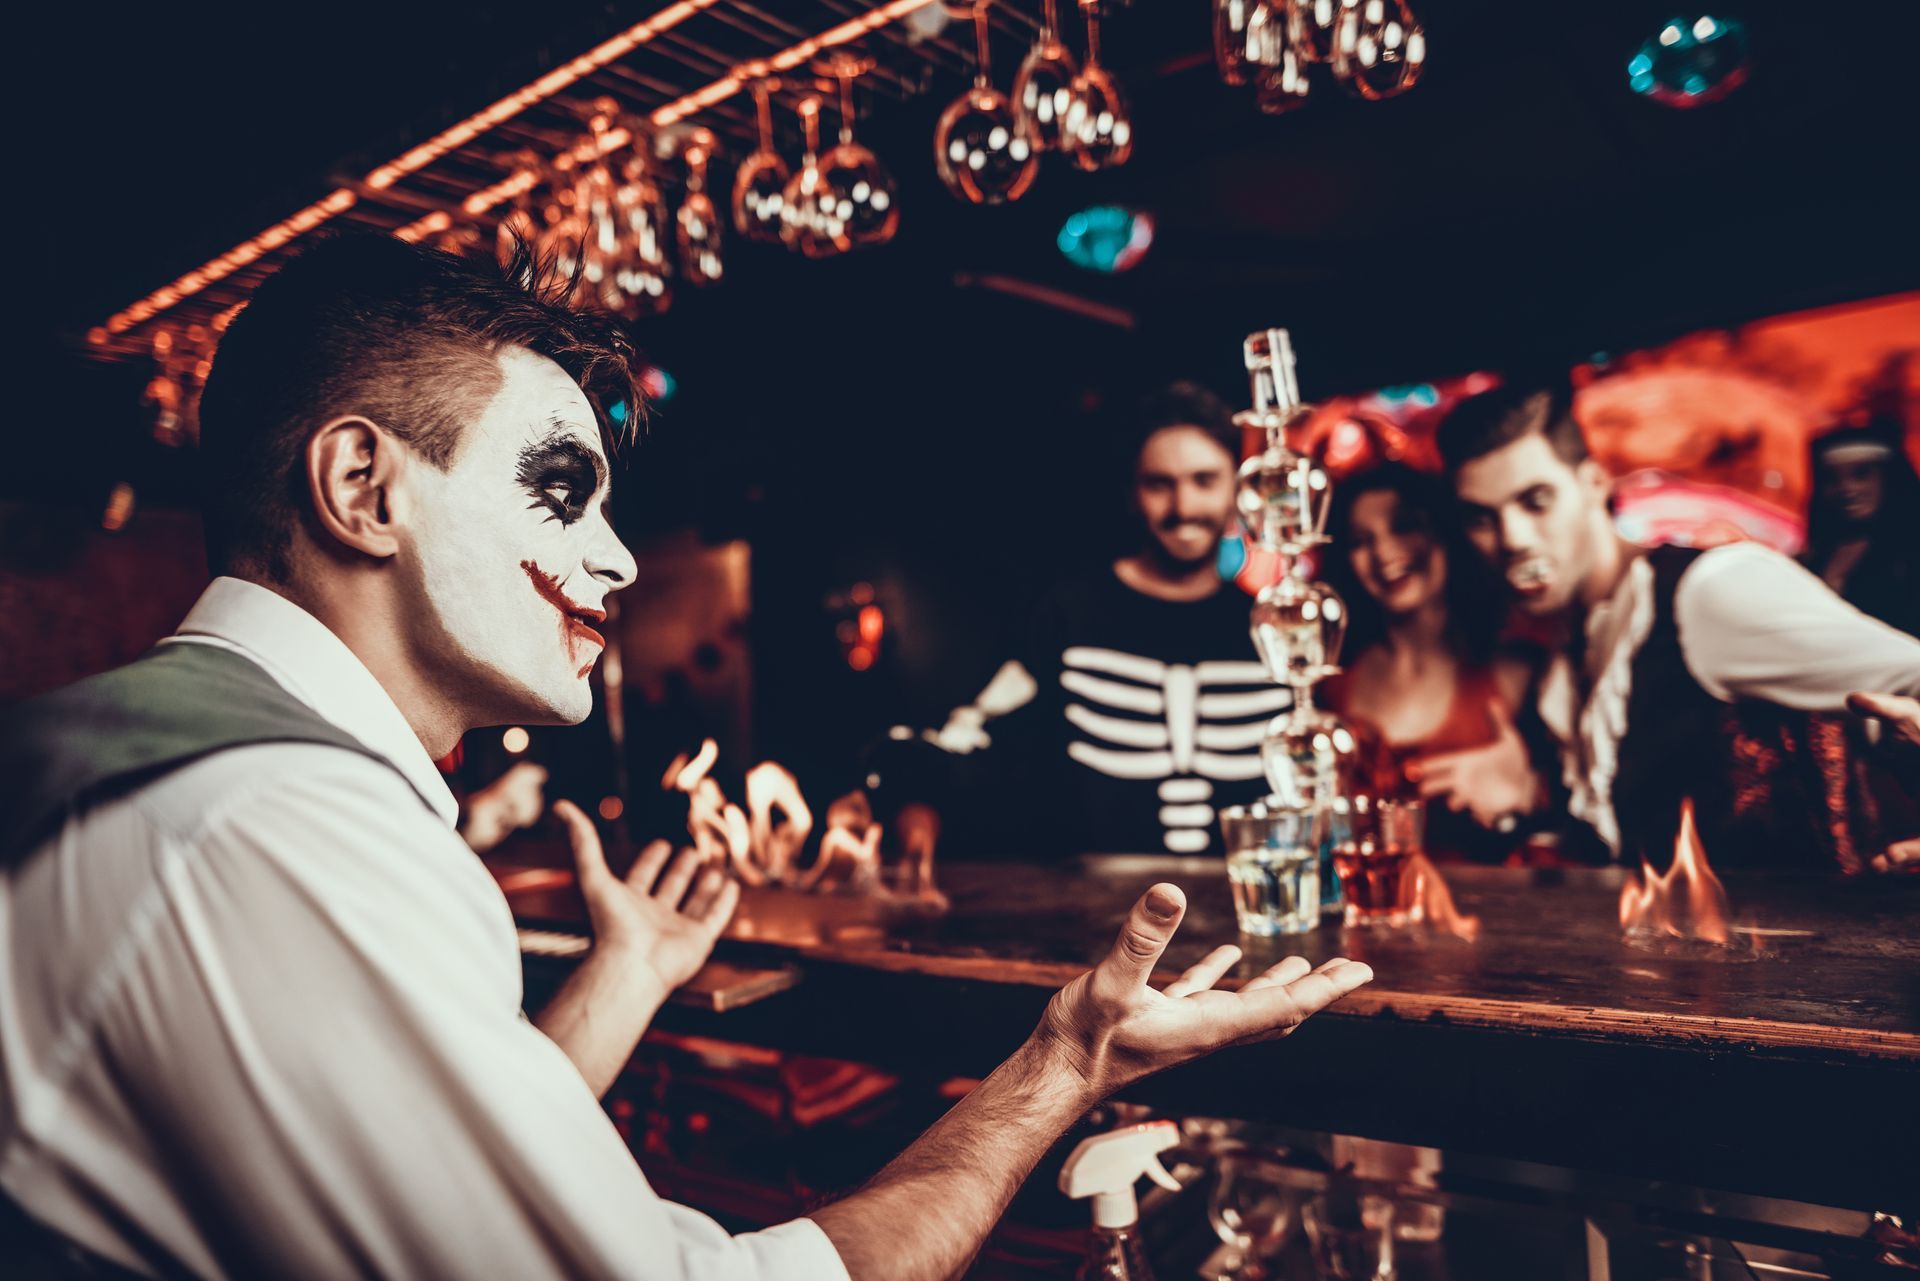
x=1372, y=842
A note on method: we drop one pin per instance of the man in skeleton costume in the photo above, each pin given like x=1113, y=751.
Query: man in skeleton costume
x=1136, y=711
x=1720, y=676
x=259, y=1004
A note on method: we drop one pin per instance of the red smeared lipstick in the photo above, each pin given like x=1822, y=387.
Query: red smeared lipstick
x=575, y=619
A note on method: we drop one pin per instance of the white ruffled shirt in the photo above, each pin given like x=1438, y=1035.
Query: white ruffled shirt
x=1752, y=624
x=262, y=1018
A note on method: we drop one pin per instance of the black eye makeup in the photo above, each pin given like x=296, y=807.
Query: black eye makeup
x=561, y=475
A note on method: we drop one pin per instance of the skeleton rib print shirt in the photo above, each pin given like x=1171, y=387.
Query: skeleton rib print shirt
x=1128, y=722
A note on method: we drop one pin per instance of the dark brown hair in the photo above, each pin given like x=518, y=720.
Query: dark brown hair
x=403, y=335
x=1425, y=505
x=1517, y=408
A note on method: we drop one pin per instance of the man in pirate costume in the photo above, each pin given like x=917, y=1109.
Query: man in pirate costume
x=259, y=1004
x=1135, y=708
x=1722, y=676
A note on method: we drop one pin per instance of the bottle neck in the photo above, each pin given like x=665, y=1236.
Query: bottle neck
x=1115, y=1254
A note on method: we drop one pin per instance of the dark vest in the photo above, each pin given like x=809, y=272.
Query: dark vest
x=1771, y=787
x=110, y=734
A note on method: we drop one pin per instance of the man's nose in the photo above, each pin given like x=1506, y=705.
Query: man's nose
x=1516, y=531
x=1189, y=502
x=609, y=560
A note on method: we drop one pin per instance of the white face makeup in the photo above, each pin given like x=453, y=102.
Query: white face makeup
x=514, y=552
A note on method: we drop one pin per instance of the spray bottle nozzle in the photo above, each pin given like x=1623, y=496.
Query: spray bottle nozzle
x=1106, y=1166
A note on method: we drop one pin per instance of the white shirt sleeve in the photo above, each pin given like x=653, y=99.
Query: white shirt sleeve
x=1011, y=688
x=1754, y=624
x=320, y=1019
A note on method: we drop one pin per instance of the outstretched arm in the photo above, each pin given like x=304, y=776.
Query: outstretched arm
x=1754, y=624
x=925, y=1216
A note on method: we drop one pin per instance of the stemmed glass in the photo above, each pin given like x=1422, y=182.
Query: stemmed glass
x=697, y=231
x=1379, y=48
x=1098, y=131
x=521, y=225
x=643, y=271
x=808, y=220
x=1252, y=1207
x=865, y=200
x=1230, y=52
x=978, y=147
x=1310, y=26
x=760, y=183
x=565, y=235
x=1280, y=81
x=1043, y=87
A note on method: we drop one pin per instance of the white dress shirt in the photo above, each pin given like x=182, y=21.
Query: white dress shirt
x=262, y=1018
x=1752, y=625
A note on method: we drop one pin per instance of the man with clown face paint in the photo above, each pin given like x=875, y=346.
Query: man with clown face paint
x=260, y=1006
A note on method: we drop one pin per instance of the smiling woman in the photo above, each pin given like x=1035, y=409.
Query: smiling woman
x=1424, y=673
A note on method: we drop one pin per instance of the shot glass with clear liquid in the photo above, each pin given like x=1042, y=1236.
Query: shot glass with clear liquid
x=1273, y=866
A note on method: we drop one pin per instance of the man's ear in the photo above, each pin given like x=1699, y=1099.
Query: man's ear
x=353, y=468
x=1595, y=478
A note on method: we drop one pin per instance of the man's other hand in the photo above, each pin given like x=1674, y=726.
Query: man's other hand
x=1489, y=782
x=1901, y=713
x=664, y=914
x=1111, y=1028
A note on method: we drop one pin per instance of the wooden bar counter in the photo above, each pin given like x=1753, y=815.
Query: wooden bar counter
x=1786, y=1065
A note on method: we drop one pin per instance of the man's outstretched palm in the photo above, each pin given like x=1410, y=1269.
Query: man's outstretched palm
x=665, y=913
x=1112, y=1028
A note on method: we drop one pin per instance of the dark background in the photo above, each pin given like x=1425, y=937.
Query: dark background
x=868, y=418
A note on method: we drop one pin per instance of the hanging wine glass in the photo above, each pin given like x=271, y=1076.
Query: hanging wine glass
x=1279, y=72
x=697, y=230
x=462, y=240
x=601, y=246
x=978, y=148
x=643, y=271
x=760, y=183
x=521, y=224
x=865, y=200
x=1043, y=87
x=808, y=218
x=1230, y=19
x=1379, y=48
x=565, y=234
x=1098, y=132
x=1310, y=25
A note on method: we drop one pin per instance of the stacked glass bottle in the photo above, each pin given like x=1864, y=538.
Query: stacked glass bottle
x=1297, y=623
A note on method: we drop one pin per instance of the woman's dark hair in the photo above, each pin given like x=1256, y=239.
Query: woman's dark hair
x=404, y=335
x=1476, y=603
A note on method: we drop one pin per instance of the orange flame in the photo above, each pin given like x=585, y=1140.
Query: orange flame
x=1686, y=902
x=776, y=843
x=763, y=842
x=1425, y=898
x=718, y=827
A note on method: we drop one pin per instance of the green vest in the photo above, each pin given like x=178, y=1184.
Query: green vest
x=113, y=733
